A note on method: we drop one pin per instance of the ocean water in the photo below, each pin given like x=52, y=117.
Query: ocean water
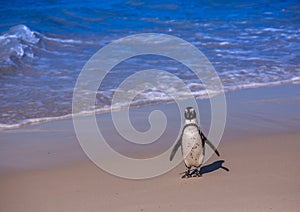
x=44, y=45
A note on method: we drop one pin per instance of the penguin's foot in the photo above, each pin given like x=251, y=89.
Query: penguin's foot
x=198, y=174
x=194, y=173
x=186, y=174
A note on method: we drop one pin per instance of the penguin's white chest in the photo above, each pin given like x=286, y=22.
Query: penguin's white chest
x=192, y=147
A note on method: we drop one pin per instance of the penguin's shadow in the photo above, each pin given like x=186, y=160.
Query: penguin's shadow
x=213, y=167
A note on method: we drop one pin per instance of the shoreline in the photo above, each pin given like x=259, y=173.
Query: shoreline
x=43, y=120
x=43, y=168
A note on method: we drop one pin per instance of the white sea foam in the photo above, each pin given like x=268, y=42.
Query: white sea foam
x=155, y=97
x=66, y=41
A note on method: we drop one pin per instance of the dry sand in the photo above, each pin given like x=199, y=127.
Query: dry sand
x=42, y=167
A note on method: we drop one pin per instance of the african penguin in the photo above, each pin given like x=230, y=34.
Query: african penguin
x=192, y=142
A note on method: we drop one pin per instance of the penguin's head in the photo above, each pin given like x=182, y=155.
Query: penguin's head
x=190, y=114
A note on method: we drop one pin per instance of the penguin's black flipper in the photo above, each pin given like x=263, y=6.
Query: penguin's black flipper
x=203, y=137
x=213, y=147
x=175, y=148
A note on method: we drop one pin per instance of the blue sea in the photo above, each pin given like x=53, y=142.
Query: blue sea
x=45, y=44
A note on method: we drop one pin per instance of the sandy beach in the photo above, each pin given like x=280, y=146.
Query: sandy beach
x=43, y=168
